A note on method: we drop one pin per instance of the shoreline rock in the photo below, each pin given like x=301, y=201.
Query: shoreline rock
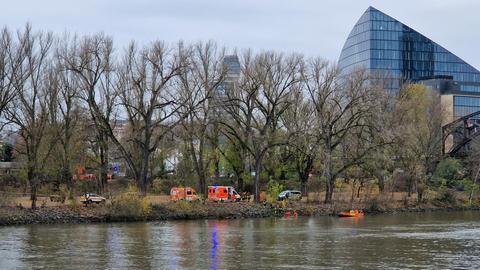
x=189, y=211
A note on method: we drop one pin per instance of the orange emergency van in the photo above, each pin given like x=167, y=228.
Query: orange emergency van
x=223, y=194
x=186, y=194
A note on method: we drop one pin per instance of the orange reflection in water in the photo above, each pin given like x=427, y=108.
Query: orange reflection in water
x=351, y=220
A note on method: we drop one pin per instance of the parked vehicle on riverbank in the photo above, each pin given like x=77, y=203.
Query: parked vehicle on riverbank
x=183, y=194
x=223, y=194
x=81, y=174
x=293, y=195
x=89, y=198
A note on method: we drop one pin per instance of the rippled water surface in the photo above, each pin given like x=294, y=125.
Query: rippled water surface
x=427, y=240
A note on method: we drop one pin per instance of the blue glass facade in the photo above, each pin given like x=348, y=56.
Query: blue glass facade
x=382, y=44
x=464, y=105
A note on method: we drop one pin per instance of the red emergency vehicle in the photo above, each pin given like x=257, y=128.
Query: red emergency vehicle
x=187, y=194
x=222, y=194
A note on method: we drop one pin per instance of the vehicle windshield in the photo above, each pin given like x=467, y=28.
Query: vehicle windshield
x=283, y=193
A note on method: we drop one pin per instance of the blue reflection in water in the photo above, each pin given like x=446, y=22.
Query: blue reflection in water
x=173, y=263
x=213, y=251
x=115, y=247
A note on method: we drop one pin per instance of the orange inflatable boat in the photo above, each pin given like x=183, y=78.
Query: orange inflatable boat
x=351, y=213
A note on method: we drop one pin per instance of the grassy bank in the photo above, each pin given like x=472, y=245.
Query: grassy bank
x=128, y=205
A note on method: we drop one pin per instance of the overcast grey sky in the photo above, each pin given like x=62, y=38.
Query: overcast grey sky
x=314, y=28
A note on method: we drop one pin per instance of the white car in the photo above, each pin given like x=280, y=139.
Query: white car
x=293, y=195
x=90, y=198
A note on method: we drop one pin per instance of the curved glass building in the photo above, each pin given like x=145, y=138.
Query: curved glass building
x=382, y=44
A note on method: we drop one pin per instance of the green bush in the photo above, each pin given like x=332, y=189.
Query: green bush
x=129, y=205
x=273, y=189
x=471, y=189
x=76, y=205
x=449, y=173
x=447, y=196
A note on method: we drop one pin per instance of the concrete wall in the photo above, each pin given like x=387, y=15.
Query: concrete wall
x=448, y=117
x=447, y=105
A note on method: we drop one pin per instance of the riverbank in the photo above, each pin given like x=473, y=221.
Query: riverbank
x=188, y=211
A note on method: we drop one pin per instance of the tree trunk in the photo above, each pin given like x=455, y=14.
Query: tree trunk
x=198, y=164
x=66, y=172
x=352, y=195
x=410, y=186
x=330, y=181
x=143, y=179
x=304, y=189
x=33, y=191
x=203, y=185
x=258, y=168
x=304, y=179
x=304, y=167
x=105, y=171
x=420, y=190
x=381, y=181
x=68, y=178
x=101, y=173
x=216, y=164
x=103, y=155
x=359, y=189
x=33, y=196
x=33, y=187
x=240, y=182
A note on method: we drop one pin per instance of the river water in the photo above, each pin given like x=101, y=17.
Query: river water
x=400, y=241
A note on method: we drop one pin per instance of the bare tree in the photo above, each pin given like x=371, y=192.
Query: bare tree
x=11, y=59
x=91, y=60
x=419, y=135
x=303, y=146
x=150, y=101
x=236, y=157
x=256, y=105
x=29, y=110
x=342, y=106
x=199, y=82
x=66, y=115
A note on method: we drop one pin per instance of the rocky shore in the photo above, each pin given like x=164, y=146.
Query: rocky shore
x=50, y=215
x=187, y=211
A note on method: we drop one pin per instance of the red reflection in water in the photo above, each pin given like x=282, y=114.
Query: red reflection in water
x=351, y=220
